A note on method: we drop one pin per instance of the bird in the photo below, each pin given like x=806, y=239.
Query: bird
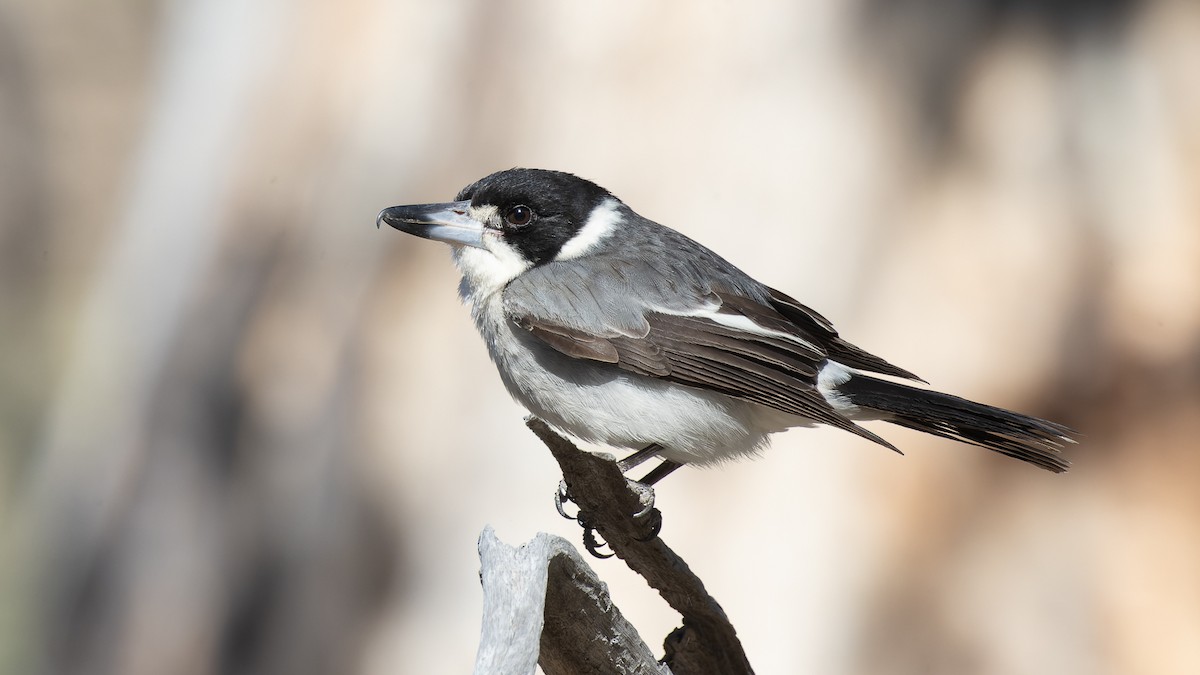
x=619, y=331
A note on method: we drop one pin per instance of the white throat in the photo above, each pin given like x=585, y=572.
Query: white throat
x=486, y=272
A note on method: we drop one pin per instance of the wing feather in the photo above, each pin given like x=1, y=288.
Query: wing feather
x=719, y=341
x=777, y=351
x=576, y=343
x=809, y=321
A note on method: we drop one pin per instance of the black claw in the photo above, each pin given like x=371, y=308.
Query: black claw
x=562, y=496
x=652, y=516
x=656, y=523
x=591, y=544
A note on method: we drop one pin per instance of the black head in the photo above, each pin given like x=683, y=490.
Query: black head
x=538, y=211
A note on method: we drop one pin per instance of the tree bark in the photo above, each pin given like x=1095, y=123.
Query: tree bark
x=706, y=642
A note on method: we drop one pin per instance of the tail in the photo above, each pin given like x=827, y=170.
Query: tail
x=1030, y=439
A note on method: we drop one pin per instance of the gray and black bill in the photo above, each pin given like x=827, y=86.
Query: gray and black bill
x=450, y=222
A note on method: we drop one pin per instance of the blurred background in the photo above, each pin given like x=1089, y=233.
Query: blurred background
x=243, y=431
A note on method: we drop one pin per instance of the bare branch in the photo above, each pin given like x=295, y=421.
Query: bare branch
x=707, y=642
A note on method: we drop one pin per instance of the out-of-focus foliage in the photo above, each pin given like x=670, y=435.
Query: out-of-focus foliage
x=243, y=431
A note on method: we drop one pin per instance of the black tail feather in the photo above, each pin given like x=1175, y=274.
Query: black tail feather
x=1030, y=439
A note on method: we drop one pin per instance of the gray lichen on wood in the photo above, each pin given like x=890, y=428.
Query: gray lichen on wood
x=542, y=602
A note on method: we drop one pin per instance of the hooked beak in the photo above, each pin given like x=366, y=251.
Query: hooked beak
x=440, y=222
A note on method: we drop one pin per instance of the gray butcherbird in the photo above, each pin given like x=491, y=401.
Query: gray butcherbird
x=618, y=330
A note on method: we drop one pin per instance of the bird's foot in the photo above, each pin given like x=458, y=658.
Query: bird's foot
x=645, y=495
x=651, y=516
x=648, y=514
x=654, y=523
x=561, y=497
x=591, y=542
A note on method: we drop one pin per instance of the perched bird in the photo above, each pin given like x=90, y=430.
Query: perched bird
x=618, y=330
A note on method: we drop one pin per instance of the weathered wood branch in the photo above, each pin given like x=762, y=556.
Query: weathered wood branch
x=542, y=603
x=706, y=643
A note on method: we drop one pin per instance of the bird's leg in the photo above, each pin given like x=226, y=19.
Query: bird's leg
x=639, y=457
x=660, y=472
x=625, y=466
x=645, y=486
x=644, y=489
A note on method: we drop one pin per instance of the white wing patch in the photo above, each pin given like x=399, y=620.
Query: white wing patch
x=600, y=224
x=744, y=323
x=741, y=323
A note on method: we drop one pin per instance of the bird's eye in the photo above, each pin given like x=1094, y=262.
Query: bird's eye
x=519, y=215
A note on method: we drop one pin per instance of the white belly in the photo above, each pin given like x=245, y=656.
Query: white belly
x=600, y=403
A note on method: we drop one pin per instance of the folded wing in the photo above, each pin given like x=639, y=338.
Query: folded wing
x=715, y=339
